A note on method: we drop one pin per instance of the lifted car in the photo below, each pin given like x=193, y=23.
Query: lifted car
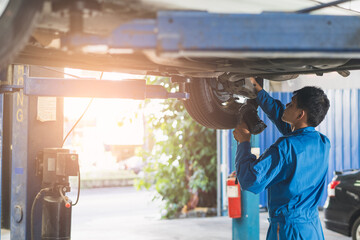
x=211, y=62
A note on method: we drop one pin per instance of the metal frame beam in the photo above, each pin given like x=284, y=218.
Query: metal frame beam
x=270, y=35
x=130, y=89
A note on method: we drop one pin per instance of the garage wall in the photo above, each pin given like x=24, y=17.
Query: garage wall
x=341, y=126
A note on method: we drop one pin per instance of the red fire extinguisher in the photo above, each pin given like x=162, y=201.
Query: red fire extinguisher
x=234, y=197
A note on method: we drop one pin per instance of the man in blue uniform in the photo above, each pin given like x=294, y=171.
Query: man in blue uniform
x=294, y=168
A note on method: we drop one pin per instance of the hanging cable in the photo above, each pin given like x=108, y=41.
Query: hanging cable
x=82, y=115
x=76, y=123
x=78, y=192
x=66, y=200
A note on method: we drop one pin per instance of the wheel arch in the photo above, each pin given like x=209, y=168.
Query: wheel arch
x=354, y=216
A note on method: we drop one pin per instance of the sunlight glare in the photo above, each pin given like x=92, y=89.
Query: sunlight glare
x=108, y=122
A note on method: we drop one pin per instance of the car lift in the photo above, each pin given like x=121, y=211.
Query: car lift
x=267, y=35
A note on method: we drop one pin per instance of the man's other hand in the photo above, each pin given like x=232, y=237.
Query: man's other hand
x=242, y=133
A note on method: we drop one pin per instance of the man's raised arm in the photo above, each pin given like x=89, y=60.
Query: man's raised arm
x=273, y=108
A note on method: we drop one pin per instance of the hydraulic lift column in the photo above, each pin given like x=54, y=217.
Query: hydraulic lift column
x=248, y=226
x=37, y=124
x=6, y=153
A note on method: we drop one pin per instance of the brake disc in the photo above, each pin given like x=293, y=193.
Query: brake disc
x=238, y=85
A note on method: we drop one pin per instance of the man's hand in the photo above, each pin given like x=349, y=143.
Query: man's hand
x=241, y=133
x=258, y=88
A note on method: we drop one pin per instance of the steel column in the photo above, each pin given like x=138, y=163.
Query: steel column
x=29, y=135
x=218, y=172
x=248, y=226
x=5, y=219
x=6, y=160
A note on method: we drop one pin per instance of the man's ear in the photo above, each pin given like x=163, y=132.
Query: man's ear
x=301, y=115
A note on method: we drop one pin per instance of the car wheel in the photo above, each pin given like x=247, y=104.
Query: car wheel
x=355, y=231
x=210, y=105
x=17, y=19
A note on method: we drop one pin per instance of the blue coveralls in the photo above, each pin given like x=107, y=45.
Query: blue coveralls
x=293, y=170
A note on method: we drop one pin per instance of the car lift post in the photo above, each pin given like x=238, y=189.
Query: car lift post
x=247, y=227
x=28, y=136
x=3, y=78
x=6, y=116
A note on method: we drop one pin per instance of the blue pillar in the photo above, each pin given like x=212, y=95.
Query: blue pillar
x=3, y=78
x=247, y=227
x=29, y=136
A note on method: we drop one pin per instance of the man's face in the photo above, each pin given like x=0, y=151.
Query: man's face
x=292, y=112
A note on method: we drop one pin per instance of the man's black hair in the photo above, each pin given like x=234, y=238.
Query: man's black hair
x=315, y=102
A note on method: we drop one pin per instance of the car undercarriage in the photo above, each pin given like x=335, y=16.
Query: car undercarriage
x=211, y=48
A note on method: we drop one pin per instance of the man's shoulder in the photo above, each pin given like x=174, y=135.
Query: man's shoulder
x=283, y=142
x=303, y=139
x=289, y=141
x=323, y=136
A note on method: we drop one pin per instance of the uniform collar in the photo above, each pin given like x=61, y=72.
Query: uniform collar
x=302, y=130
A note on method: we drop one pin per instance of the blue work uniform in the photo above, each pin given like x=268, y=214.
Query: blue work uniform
x=293, y=170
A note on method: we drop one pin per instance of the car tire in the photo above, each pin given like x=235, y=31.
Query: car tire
x=355, y=231
x=17, y=22
x=210, y=105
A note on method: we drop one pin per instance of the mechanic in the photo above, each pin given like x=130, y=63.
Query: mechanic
x=294, y=168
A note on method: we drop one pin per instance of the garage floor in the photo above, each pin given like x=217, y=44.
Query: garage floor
x=124, y=213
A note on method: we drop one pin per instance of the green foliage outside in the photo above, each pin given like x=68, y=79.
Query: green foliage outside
x=181, y=164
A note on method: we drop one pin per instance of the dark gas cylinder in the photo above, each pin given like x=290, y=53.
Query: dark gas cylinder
x=56, y=219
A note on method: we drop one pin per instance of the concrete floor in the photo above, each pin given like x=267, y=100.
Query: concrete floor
x=124, y=213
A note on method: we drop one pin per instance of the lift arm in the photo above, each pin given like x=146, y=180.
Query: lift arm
x=130, y=89
x=266, y=35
